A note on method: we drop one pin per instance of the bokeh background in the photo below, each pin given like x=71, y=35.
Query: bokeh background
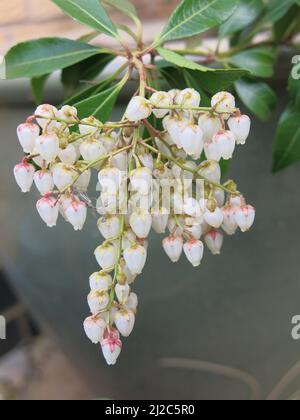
x=220, y=332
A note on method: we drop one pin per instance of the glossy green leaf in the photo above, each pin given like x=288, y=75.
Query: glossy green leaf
x=87, y=92
x=294, y=85
x=180, y=61
x=90, y=13
x=124, y=6
x=259, y=61
x=172, y=75
x=37, y=87
x=297, y=2
x=287, y=25
x=100, y=105
x=257, y=96
x=43, y=56
x=276, y=9
x=195, y=16
x=287, y=141
x=245, y=14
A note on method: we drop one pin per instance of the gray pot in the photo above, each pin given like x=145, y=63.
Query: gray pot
x=236, y=309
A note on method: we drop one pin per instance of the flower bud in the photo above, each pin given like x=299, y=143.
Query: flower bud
x=76, y=214
x=173, y=247
x=161, y=99
x=214, y=241
x=175, y=226
x=193, y=250
x=28, y=134
x=63, y=175
x=92, y=149
x=147, y=160
x=94, y=329
x=140, y=223
x=135, y=258
x=188, y=98
x=48, y=209
x=108, y=141
x=100, y=281
x=175, y=128
x=110, y=180
x=98, y=301
x=48, y=147
x=109, y=226
x=47, y=112
x=125, y=321
x=192, y=140
x=120, y=161
x=245, y=217
x=122, y=293
x=225, y=141
x=83, y=181
x=138, y=109
x=219, y=196
x=209, y=125
x=240, y=126
x=106, y=255
x=160, y=220
x=141, y=180
x=68, y=155
x=126, y=273
x=192, y=208
x=224, y=102
x=229, y=223
x=194, y=230
x=132, y=303
x=214, y=216
x=68, y=113
x=173, y=93
x=24, y=174
x=210, y=170
x=44, y=181
x=237, y=200
x=89, y=126
x=111, y=346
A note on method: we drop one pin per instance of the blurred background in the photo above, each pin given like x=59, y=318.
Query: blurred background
x=220, y=332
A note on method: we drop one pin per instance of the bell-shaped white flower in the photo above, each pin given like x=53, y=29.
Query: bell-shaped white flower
x=110, y=180
x=83, y=181
x=108, y=141
x=223, y=103
x=240, y=127
x=225, y=141
x=175, y=226
x=128, y=239
x=124, y=271
x=125, y=320
x=141, y=180
x=210, y=125
x=229, y=223
x=212, y=151
x=63, y=175
x=100, y=281
x=109, y=226
x=219, y=196
x=192, y=140
x=138, y=109
x=245, y=217
x=147, y=160
x=122, y=293
x=68, y=155
x=161, y=99
x=210, y=170
x=132, y=302
x=194, y=229
x=24, y=174
x=47, y=113
x=92, y=149
x=111, y=346
x=76, y=214
x=160, y=220
x=48, y=147
x=188, y=98
x=175, y=128
x=89, y=126
x=120, y=161
x=44, y=181
x=214, y=216
x=135, y=258
x=237, y=200
x=214, y=241
x=27, y=135
x=173, y=247
x=48, y=209
x=94, y=329
x=68, y=113
x=106, y=255
x=192, y=208
x=173, y=93
x=98, y=301
x=194, y=250
x=140, y=222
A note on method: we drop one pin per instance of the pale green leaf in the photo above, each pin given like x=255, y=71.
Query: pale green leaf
x=259, y=61
x=179, y=60
x=276, y=9
x=124, y=6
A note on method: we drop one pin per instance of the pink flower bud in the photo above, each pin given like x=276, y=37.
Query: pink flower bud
x=48, y=147
x=98, y=301
x=28, y=134
x=94, y=329
x=100, y=281
x=209, y=125
x=135, y=258
x=245, y=217
x=141, y=222
x=106, y=255
x=173, y=247
x=48, y=209
x=24, y=174
x=240, y=126
x=76, y=214
x=193, y=250
x=214, y=241
x=44, y=181
x=111, y=346
x=125, y=321
x=229, y=223
x=138, y=109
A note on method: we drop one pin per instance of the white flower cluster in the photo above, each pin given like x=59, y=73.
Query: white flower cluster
x=170, y=180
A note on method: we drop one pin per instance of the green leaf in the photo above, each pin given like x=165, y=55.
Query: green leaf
x=259, y=61
x=195, y=16
x=37, y=87
x=43, y=56
x=100, y=105
x=245, y=14
x=282, y=28
x=276, y=9
x=87, y=92
x=298, y=2
x=294, y=85
x=287, y=142
x=90, y=13
x=180, y=61
x=124, y=6
x=171, y=74
x=86, y=70
x=257, y=96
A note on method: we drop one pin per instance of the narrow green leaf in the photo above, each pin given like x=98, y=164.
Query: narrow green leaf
x=257, y=96
x=259, y=61
x=100, y=105
x=124, y=6
x=89, y=37
x=43, y=56
x=180, y=61
x=37, y=87
x=276, y=9
x=90, y=13
x=195, y=16
x=287, y=141
x=87, y=92
x=245, y=14
x=290, y=21
x=294, y=85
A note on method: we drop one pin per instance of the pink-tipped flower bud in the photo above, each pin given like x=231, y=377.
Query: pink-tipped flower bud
x=76, y=214
x=214, y=241
x=24, y=174
x=135, y=258
x=125, y=320
x=229, y=222
x=173, y=247
x=48, y=147
x=44, y=181
x=245, y=217
x=209, y=125
x=94, y=329
x=240, y=126
x=28, y=134
x=48, y=209
x=193, y=250
x=111, y=346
